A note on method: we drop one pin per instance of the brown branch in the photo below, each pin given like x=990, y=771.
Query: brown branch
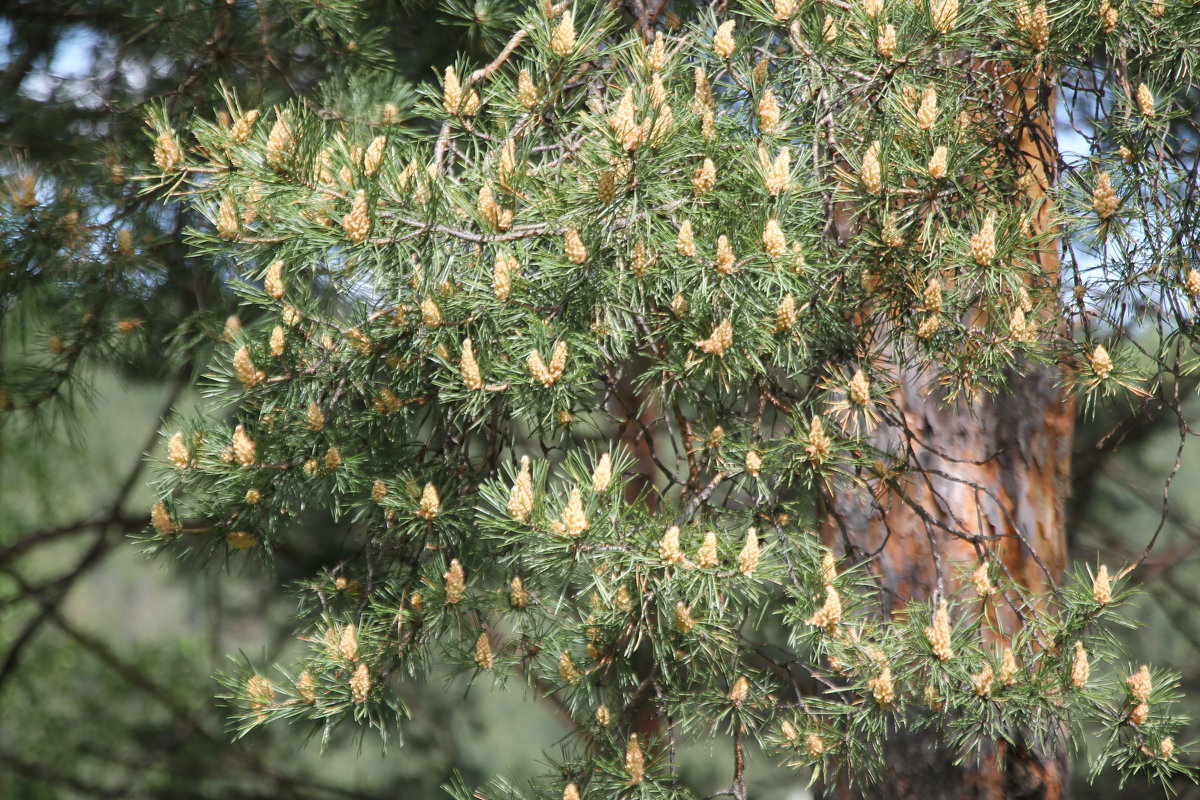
x=486, y=71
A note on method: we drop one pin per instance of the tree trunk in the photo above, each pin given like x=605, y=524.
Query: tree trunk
x=997, y=471
x=990, y=475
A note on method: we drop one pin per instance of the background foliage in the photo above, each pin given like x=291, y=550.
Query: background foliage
x=88, y=310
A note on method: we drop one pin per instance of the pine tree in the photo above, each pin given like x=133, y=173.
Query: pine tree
x=99, y=295
x=668, y=331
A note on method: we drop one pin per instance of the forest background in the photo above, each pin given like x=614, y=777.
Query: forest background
x=107, y=658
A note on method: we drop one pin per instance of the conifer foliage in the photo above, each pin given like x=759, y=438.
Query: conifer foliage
x=574, y=347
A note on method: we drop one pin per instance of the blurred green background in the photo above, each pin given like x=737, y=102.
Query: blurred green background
x=107, y=657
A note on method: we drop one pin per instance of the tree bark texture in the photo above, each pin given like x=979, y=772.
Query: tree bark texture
x=995, y=474
x=984, y=476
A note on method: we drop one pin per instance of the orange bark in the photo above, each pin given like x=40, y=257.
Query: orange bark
x=991, y=474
